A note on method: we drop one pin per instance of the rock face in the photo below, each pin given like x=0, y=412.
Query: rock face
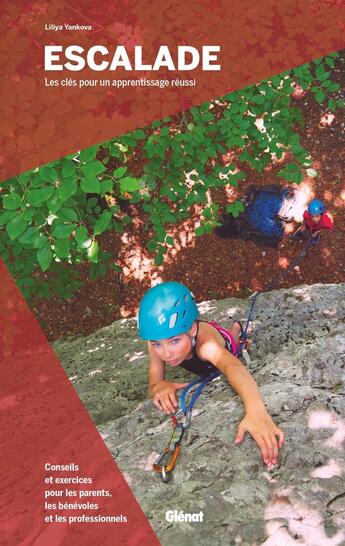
x=298, y=357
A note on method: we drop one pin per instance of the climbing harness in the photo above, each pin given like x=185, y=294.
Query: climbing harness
x=181, y=420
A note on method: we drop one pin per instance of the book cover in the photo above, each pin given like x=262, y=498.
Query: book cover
x=184, y=151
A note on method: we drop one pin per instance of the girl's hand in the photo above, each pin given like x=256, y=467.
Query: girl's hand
x=164, y=397
x=263, y=430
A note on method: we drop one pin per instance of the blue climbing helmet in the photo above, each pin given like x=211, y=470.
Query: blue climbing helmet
x=316, y=207
x=166, y=310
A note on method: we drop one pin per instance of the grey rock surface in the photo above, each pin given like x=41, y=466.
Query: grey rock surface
x=298, y=358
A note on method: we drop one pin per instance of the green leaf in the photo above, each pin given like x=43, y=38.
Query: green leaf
x=235, y=208
x=92, y=252
x=115, y=150
x=12, y=201
x=160, y=234
x=68, y=168
x=129, y=140
x=81, y=234
x=29, y=236
x=93, y=168
x=91, y=202
x=159, y=259
x=169, y=240
x=17, y=250
x=126, y=219
x=332, y=105
x=164, y=131
x=105, y=186
x=62, y=248
x=16, y=227
x=38, y=196
x=90, y=185
x=61, y=231
x=67, y=189
x=119, y=172
x=138, y=134
x=151, y=245
x=115, y=267
x=41, y=241
x=128, y=184
x=88, y=154
x=48, y=174
x=324, y=78
x=292, y=173
x=6, y=216
x=259, y=99
x=55, y=203
x=334, y=87
x=44, y=257
x=320, y=96
x=102, y=222
x=321, y=73
x=68, y=214
x=25, y=177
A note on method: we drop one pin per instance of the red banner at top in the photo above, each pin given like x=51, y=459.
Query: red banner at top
x=43, y=120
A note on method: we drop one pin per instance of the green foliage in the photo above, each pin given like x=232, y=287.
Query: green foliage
x=52, y=217
x=235, y=208
x=54, y=214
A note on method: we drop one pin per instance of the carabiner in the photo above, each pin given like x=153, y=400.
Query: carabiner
x=166, y=476
x=165, y=469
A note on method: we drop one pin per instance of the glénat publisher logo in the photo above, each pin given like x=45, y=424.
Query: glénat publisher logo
x=175, y=516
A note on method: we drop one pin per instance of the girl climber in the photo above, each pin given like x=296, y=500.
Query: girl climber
x=315, y=220
x=168, y=320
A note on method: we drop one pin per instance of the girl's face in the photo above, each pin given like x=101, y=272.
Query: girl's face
x=315, y=218
x=174, y=350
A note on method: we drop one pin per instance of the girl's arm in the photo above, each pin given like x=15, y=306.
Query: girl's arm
x=239, y=377
x=162, y=392
x=257, y=420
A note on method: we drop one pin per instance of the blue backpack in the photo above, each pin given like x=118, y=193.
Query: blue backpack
x=259, y=222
